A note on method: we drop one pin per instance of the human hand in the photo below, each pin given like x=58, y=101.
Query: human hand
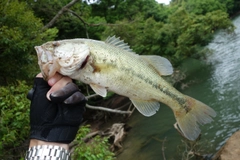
x=58, y=119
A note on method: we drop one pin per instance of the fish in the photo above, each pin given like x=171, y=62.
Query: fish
x=111, y=65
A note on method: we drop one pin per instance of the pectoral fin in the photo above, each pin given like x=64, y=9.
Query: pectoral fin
x=161, y=64
x=102, y=91
x=147, y=108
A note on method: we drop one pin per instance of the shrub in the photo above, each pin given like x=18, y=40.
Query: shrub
x=96, y=149
x=14, y=118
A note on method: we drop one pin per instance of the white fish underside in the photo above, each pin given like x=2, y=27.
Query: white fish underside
x=111, y=65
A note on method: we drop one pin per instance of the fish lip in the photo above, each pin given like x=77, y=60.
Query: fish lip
x=40, y=51
x=45, y=77
x=50, y=61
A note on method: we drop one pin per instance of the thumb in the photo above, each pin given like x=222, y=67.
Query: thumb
x=58, y=85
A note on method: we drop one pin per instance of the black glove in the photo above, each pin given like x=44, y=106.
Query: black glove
x=57, y=120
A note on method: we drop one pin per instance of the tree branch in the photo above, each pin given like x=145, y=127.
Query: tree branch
x=108, y=109
x=91, y=96
x=64, y=9
x=163, y=148
x=85, y=24
x=91, y=24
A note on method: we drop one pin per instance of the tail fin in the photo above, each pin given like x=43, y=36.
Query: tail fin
x=198, y=113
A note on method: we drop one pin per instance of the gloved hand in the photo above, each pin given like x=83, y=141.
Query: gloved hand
x=57, y=120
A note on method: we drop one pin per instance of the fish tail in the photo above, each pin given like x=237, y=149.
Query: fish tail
x=193, y=114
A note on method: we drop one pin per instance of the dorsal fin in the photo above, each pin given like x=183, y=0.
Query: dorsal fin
x=118, y=43
x=162, y=65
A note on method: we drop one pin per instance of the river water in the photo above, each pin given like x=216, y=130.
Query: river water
x=216, y=82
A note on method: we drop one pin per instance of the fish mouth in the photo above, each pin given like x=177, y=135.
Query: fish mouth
x=46, y=62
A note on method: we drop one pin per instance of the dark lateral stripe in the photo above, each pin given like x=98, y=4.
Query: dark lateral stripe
x=166, y=91
x=130, y=71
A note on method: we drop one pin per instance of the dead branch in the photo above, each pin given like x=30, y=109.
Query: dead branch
x=129, y=109
x=108, y=109
x=117, y=133
x=181, y=133
x=85, y=24
x=123, y=106
x=91, y=135
x=91, y=96
x=163, y=148
x=91, y=24
x=64, y=9
x=178, y=129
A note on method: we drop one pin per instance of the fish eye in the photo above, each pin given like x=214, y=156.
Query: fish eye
x=55, y=44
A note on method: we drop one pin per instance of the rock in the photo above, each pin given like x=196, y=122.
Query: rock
x=231, y=149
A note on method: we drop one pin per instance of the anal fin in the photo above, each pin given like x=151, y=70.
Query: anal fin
x=147, y=108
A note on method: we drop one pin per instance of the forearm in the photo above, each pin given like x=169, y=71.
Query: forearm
x=35, y=142
x=54, y=121
x=47, y=150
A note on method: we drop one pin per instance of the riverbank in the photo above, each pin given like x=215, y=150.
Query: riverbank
x=230, y=150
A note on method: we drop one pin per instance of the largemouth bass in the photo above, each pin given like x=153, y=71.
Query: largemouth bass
x=112, y=65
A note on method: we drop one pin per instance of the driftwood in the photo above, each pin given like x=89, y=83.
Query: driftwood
x=192, y=148
x=116, y=134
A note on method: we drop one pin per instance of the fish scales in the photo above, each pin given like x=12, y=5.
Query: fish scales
x=137, y=79
x=111, y=65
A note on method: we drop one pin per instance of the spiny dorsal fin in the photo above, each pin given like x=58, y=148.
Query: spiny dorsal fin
x=118, y=43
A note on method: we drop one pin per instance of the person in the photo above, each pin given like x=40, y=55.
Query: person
x=56, y=111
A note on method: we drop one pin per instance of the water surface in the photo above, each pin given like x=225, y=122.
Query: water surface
x=216, y=83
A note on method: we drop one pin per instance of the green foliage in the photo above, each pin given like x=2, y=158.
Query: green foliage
x=196, y=31
x=176, y=31
x=202, y=7
x=184, y=34
x=97, y=149
x=20, y=31
x=74, y=23
x=14, y=118
x=115, y=10
x=232, y=6
x=96, y=27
